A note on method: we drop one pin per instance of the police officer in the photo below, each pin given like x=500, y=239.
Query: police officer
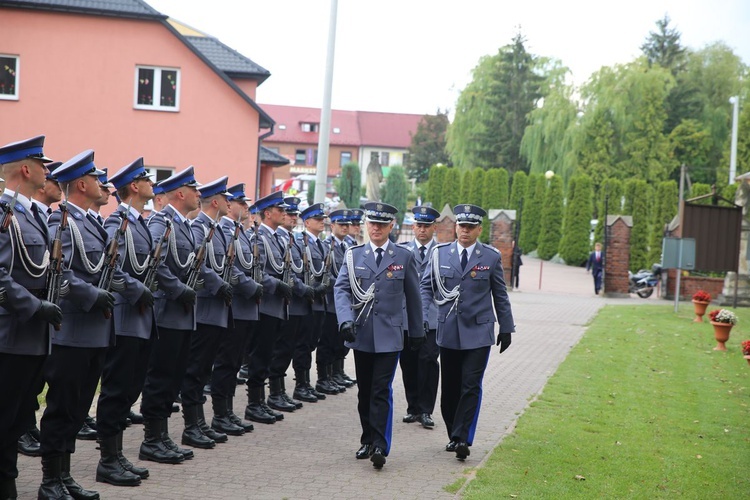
x=76, y=361
x=420, y=369
x=317, y=276
x=214, y=310
x=465, y=279
x=355, y=220
x=134, y=325
x=273, y=308
x=245, y=302
x=370, y=292
x=25, y=315
x=175, y=307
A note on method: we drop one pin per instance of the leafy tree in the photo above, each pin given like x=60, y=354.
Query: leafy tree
x=396, y=190
x=435, y=186
x=451, y=188
x=491, y=111
x=665, y=208
x=552, y=219
x=428, y=146
x=532, y=212
x=476, y=188
x=700, y=189
x=465, y=186
x=311, y=193
x=349, y=185
x=610, y=194
x=636, y=204
x=690, y=145
x=595, y=146
x=518, y=190
x=495, y=182
x=575, y=246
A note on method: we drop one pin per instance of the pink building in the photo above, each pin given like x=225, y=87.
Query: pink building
x=118, y=77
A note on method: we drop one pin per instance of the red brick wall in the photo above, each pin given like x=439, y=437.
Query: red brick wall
x=501, y=237
x=691, y=284
x=617, y=258
x=445, y=230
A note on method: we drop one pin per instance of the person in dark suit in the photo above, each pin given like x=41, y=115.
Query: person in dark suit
x=420, y=368
x=369, y=292
x=25, y=314
x=595, y=264
x=465, y=279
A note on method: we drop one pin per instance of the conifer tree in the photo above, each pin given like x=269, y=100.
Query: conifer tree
x=349, y=185
x=435, y=186
x=451, y=188
x=610, y=194
x=574, y=246
x=664, y=208
x=552, y=219
x=465, y=186
x=532, y=212
x=636, y=205
x=518, y=190
x=396, y=189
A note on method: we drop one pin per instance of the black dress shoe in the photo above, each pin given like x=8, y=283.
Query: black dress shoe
x=377, y=458
x=451, y=447
x=462, y=451
x=86, y=433
x=365, y=451
x=175, y=408
x=136, y=418
x=427, y=421
x=410, y=417
x=29, y=446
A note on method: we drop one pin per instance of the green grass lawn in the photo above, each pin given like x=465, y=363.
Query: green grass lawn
x=641, y=408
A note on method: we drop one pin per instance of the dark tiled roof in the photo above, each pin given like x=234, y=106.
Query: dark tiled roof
x=231, y=62
x=268, y=156
x=119, y=8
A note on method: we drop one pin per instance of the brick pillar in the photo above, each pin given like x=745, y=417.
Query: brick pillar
x=502, y=224
x=617, y=259
x=445, y=226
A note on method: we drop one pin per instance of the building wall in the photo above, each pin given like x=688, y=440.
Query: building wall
x=288, y=150
x=395, y=157
x=77, y=86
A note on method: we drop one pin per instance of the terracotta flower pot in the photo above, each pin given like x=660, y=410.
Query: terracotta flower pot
x=747, y=357
x=721, y=334
x=700, y=310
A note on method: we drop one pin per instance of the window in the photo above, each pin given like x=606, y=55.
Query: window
x=384, y=159
x=310, y=127
x=157, y=88
x=346, y=157
x=9, y=77
x=158, y=174
x=300, y=156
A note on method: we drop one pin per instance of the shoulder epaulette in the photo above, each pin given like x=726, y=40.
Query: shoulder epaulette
x=485, y=245
x=443, y=244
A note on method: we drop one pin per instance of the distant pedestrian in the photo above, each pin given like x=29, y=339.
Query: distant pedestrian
x=595, y=265
x=517, y=263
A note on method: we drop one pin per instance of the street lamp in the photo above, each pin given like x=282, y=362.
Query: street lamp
x=735, y=101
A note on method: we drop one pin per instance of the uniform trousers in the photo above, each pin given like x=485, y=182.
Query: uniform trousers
x=72, y=374
x=124, y=372
x=166, y=368
x=20, y=375
x=229, y=358
x=283, y=348
x=461, y=390
x=310, y=333
x=204, y=344
x=375, y=372
x=261, y=350
x=420, y=371
x=329, y=342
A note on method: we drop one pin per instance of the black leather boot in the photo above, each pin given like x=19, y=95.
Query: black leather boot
x=324, y=385
x=236, y=420
x=135, y=418
x=254, y=411
x=346, y=377
x=193, y=435
x=8, y=489
x=311, y=389
x=329, y=377
x=52, y=486
x=217, y=436
x=76, y=490
x=338, y=374
x=110, y=470
x=301, y=391
x=275, y=414
x=275, y=398
x=153, y=447
x=126, y=464
x=28, y=445
x=221, y=421
x=186, y=453
x=88, y=430
x=287, y=398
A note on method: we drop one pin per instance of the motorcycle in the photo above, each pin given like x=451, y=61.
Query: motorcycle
x=644, y=281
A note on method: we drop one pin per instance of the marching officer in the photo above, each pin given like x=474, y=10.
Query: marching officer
x=420, y=369
x=134, y=324
x=25, y=314
x=370, y=291
x=355, y=220
x=76, y=360
x=214, y=310
x=465, y=279
x=245, y=302
x=274, y=306
x=175, y=307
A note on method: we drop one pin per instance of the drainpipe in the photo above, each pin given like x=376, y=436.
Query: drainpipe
x=257, y=168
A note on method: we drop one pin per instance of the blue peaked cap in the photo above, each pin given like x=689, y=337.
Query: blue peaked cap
x=219, y=186
x=314, y=210
x=468, y=214
x=425, y=215
x=78, y=166
x=340, y=216
x=238, y=192
x=292, y=204
x=27, y=148
x=356, y=214
x=380, y=212
x=127, y=174
x=272, y=200
x=183, y=178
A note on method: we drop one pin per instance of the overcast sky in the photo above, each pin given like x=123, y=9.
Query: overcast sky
x=415, y=56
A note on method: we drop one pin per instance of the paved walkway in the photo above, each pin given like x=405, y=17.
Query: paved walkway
x=311, y=453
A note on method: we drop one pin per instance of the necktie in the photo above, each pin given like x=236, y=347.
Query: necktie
x=279, y=242
x=320, y=247
x=37, y=215
x=49, y=211
x=422, y=250
x=464, y=258
x=379, y=258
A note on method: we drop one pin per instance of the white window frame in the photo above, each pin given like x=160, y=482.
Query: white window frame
x=157, y=89
x=13, y=97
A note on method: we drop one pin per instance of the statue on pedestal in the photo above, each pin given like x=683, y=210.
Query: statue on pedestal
x=374, y=178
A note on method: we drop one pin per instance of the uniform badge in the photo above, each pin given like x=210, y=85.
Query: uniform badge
x=473, y=274
x=389, y=274
x=77, y=215
x=19, y=208
x=390, y=252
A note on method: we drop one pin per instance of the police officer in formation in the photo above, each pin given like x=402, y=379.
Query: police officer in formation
x=465, y=279
x=420, y=368
x=370, y=291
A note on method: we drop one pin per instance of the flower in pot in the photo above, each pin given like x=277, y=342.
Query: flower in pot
x=701, y=299
x=722, y=320
x=746, y=350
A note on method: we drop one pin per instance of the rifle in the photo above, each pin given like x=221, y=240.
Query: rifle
x=54, y=269
x=257, y=269
x=110, y=260
x=155, y=259
x=288, y=275
x=200, y=256
x=231, y=255
x=327, y=265
x=307, y=279
x=7, y=210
